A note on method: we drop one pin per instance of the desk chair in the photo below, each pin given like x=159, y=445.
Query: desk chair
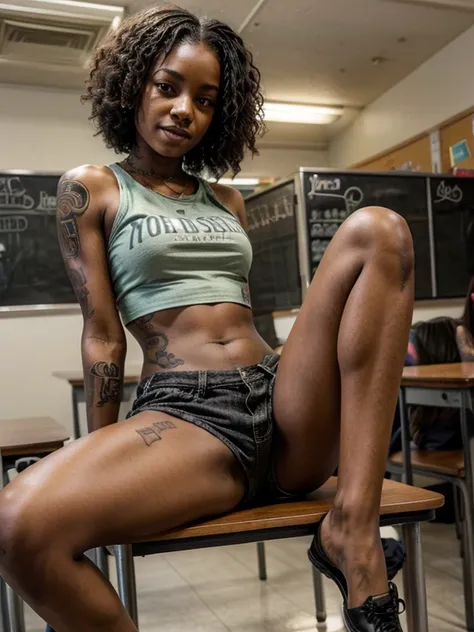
x=401, y=505
x=448, y=465
x=20, y=438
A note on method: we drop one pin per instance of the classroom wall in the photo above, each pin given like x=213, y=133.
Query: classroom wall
x=435, y=92
x=47, y=130
x=414, y=156
x=44, y=129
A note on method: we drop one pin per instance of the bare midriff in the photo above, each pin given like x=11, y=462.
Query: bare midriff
x=216, y=337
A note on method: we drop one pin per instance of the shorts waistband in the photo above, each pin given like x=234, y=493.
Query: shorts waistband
x=250, y=373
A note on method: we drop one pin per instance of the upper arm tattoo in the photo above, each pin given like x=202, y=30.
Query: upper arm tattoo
x=73, y=201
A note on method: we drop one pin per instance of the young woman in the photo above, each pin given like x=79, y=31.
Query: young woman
x=219, y=420
x=465, y=329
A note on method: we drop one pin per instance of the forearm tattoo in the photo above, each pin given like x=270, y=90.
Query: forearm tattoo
x=107, y=382
x=73, y=201
x=157, y=352
x=79, y=284
x=151, y=434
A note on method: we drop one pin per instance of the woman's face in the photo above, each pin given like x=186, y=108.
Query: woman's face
x=179, y=100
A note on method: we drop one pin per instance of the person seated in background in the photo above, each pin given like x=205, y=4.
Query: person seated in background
x=431, y=427
x=465, y=329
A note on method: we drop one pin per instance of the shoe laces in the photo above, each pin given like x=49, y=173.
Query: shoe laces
x=384, y=617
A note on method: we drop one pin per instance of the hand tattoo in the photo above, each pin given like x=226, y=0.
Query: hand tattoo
x=109, y=382
x=79, y=284
x=157, y=353
x=151, y=434
x=73, y=201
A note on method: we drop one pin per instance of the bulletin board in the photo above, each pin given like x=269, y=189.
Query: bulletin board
x=414, y=156
x=454, y=133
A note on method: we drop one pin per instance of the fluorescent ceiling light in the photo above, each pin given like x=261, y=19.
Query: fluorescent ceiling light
x=301, y=113
x=64, y=9
x=84, y=5
x=463, y=5
x=244, y=182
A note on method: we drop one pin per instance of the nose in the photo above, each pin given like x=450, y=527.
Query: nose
x=182, y=110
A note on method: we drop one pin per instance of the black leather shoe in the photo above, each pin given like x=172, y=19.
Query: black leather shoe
x=320, y=560
x=394, y=560
x=377, y=614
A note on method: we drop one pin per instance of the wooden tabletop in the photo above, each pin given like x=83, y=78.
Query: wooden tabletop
x=76, y=378
x=460, y=375
x=36, y=435
x=396, y=498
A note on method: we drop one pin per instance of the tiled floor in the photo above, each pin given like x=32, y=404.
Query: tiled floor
x=217, y=590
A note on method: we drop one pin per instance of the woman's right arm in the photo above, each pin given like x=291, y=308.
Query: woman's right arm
x=465, y=344
x=81, y=204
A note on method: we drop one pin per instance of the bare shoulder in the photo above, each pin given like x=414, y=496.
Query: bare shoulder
x=232, y=199
x=87, y=186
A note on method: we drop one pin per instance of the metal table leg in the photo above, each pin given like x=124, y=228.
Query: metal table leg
x=467, y=535
x=262, y=562
x=319, y=598
x=16, y=616
x=407, y=476
x=75, y=414
x=12, y=604
x=414, y=580
x=99, y=557
x=127, y=588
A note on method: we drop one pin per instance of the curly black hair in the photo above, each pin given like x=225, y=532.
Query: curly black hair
x=121, y=65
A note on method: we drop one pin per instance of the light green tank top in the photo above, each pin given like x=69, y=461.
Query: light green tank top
x=165, y=252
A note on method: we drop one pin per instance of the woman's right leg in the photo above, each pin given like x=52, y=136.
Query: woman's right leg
x=122, y=483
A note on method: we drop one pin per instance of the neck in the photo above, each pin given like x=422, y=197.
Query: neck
x=152, y=163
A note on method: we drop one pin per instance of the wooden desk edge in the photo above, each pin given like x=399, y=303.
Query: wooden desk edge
x=437, y=382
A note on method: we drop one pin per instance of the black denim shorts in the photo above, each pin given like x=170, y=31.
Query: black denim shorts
x=235, y=406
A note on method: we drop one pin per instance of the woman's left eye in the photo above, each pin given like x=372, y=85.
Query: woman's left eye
x=205, y=101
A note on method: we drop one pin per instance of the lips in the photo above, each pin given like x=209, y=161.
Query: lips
x=176, y=134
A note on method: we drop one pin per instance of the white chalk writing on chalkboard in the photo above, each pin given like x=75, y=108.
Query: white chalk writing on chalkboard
x=14, y=196
x=447, y=193
x=263, y=214
x=352, y=197
x=319, y=184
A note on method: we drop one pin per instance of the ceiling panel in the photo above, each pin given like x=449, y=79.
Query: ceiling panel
x=314, y=51
x=322, y=50
x=234, y=13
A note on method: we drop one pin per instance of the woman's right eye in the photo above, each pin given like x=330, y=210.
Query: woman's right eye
x=166, y=88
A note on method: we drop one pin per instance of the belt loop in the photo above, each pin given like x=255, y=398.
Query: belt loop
x=146, y=386
x=269, y=363
x=202, y=383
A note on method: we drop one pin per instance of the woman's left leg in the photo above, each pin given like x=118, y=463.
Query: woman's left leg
x=337, y=384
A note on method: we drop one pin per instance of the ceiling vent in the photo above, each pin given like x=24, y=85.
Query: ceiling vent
x=53, y=33
x=455, y=5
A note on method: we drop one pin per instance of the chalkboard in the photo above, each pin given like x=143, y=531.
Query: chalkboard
x=32, y=271
x=330, y=197
x=452, y=202
x=274, y=278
